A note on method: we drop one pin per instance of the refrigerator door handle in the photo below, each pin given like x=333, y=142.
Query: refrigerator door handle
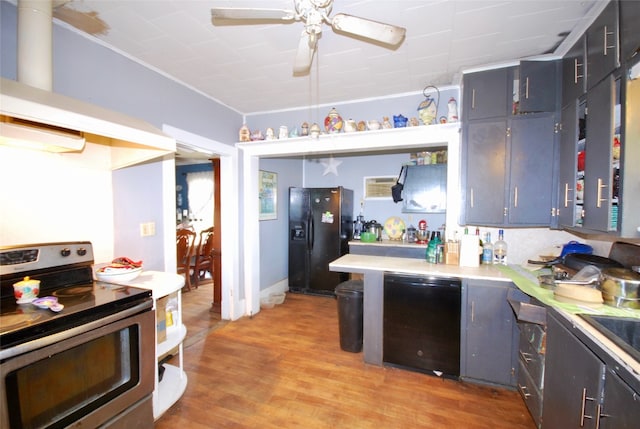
x=312, y=227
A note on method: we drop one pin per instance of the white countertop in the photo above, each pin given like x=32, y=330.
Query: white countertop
x=159, y=282
x=351, y=263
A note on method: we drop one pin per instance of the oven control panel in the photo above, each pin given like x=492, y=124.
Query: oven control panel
x=15, y=259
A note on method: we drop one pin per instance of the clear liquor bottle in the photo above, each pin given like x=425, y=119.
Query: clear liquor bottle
x=487, y=250
x=500, y=249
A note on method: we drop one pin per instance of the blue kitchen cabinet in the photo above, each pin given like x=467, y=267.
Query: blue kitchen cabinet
x=484, y=172
x=599, y=196
x=583, y=386
x=572, y=380
x=629, y=34
x=538, y=86
x=574, y=72
x=487, y=94
x=569, y=207
x=603, y=45
x=509, y=170
x=531, y=191
x=489, y=333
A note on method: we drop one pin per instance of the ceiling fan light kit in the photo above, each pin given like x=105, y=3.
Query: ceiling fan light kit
x=313, y=13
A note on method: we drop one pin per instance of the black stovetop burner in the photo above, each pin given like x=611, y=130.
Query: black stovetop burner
x=65, y=271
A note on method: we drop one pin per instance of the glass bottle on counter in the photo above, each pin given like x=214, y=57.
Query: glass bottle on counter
x=432, y=247
x=487, y=249
x=500, y=249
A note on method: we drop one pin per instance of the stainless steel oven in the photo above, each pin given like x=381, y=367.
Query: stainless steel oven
x=90, y=365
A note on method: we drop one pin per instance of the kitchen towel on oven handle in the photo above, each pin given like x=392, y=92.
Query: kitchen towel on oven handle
x=396, y=190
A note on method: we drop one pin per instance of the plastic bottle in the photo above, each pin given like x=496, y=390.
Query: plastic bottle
x=432, y=248
x=500, y=249
x=487, y=249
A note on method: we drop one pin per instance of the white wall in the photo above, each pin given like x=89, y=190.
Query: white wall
x=49, y=197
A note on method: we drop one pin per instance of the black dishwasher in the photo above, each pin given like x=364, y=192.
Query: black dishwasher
x=422, y=324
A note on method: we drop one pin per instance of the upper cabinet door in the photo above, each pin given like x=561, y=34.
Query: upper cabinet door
x=629, y=33
x=574, y=73
x=531, y=177
x=486, y=94
x=538, y=86
x=602, y=45
x=598, y=180
x=485, y=169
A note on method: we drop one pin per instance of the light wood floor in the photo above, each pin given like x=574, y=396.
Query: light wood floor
x=284, y=368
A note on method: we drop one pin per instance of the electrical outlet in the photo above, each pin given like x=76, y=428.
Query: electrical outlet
x=147, y=229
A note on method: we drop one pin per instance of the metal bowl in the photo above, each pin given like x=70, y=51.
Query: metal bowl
x=620, y=287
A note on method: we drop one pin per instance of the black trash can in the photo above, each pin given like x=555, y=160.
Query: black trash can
x=350, y=295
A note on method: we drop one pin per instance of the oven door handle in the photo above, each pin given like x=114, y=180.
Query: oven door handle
x=72, y=332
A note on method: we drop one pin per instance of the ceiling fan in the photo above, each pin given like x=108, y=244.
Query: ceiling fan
x=313, y=13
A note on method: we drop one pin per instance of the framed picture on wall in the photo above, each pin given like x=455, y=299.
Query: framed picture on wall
x=268, y=194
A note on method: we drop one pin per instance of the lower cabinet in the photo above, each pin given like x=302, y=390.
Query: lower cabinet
x=572, y=380
x=489, y=333
x=580, y=391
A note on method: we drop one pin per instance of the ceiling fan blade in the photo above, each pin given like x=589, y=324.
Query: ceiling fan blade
x=304, y=55
x=239, y=13
x=385, y=33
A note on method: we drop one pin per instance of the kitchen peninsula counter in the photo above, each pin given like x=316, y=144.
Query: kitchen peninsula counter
x=373, y=269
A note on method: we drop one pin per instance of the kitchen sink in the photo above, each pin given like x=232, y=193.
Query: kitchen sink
x=623, y=331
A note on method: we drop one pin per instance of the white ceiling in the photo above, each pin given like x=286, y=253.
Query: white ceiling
x=249, y=67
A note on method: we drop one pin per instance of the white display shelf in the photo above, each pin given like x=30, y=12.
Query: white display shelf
x=170, y=389
x=174, y=379
x=175, y=337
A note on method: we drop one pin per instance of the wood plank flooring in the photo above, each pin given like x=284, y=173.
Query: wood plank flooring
x=284, y=368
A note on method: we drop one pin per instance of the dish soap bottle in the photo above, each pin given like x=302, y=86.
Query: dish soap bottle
x=500, y=249
x=432, y=247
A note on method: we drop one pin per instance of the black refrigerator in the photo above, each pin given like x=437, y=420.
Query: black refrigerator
x=320, y=227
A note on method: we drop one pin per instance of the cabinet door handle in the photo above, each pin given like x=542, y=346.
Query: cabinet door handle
x=515, y=197
x=526, y=88
x=473, y=98
x=600, y=415
x=585, y=398
x=526, y=357
x=599, y=198
x=522, y=389
x=576, y=76
x=472, y=205
x=606, y=41
x=566, y=194
x=473, y=311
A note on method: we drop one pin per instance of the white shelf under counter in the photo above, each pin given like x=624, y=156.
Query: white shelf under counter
x=174, y=380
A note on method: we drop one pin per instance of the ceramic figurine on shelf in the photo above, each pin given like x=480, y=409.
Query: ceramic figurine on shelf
x=271, y=135
x=428, y=109
x=399, y=121
x=413, y=122
x=314, y=131
x=293, y=133
x=452, y=115
x=333, y=122
x=304, y=129
x=283, y=132
x=350, y=126
x=257, y=135
x=244, y=133
x=373, y=124
x=362, y=126
x=386, y=124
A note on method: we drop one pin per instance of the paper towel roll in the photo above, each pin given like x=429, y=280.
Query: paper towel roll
x=469, y=251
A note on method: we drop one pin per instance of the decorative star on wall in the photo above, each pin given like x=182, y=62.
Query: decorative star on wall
x=330, y=166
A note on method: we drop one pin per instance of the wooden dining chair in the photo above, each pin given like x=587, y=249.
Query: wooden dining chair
x=202, y=262
x=185, y=241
